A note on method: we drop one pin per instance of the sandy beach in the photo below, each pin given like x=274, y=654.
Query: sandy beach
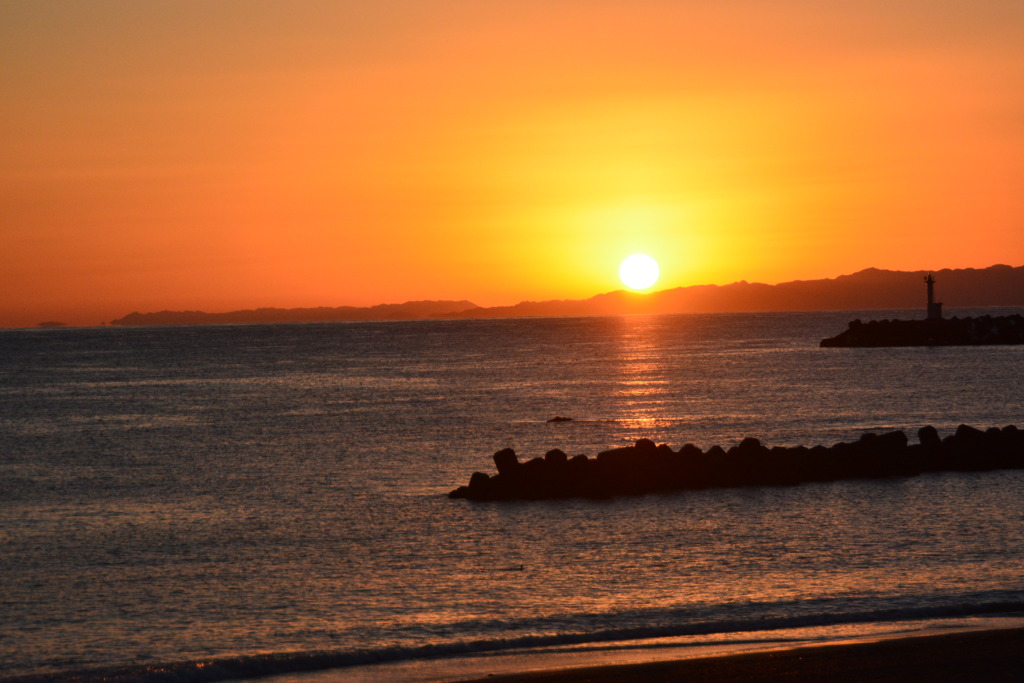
x=991, y=656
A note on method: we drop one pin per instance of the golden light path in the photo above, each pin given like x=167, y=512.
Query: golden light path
x=639, y=271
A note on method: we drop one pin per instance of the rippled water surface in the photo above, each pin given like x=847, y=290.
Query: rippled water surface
x=177, y=495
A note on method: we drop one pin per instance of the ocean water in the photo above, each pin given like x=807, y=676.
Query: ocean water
x=210, y=503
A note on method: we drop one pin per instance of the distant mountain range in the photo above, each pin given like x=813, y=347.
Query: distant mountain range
x=411, y=310
x=867, y=289
x=864, y=290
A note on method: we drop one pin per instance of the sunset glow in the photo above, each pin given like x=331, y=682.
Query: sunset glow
x=313, y=153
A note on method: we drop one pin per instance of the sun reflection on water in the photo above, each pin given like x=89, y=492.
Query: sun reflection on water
x=642, y=387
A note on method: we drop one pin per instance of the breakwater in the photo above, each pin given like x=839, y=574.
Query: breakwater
x=647, y=467
x=978, y=331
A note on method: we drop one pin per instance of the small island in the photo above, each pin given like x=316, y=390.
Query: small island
x=646, y=467
x=934, y=330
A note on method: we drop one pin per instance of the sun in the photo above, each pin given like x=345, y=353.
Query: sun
x=638, y=271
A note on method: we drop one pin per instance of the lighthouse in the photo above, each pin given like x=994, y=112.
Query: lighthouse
x=934, y=309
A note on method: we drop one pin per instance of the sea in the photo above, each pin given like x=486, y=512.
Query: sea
x=204, y=503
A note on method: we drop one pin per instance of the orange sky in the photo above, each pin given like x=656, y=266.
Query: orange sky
x=188, y=154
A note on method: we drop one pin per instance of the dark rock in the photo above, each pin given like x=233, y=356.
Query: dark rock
x=534, y=465
x=463, y=492
x=891, y=442
x=715, y=452
x=617, y=455
x=556, y=457
x=968, y=433
x=749, y=444
x=929, y=437
x=689, y=450
x=506, y=461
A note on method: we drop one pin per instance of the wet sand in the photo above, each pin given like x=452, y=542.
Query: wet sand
x=991, y=656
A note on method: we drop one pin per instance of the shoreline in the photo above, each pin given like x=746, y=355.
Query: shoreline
x=902, y=650
x=992, y=655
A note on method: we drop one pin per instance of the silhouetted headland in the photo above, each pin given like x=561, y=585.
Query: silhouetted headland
x=979, y=331
x=646, y=467
x=934, y=330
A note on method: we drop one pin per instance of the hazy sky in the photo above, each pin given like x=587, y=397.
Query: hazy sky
x=218, y=155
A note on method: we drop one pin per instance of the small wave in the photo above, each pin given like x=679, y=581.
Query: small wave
x=255, y=666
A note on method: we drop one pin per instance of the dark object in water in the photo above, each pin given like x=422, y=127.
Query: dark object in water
x=984, y=330
x=646, y=467
x=559, y=418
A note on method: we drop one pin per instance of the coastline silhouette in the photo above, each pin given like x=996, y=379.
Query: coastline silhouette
x=934, y=330
x=868, y=289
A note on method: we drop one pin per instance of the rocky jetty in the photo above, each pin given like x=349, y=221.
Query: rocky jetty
x=979, y=331
x=647, y=467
